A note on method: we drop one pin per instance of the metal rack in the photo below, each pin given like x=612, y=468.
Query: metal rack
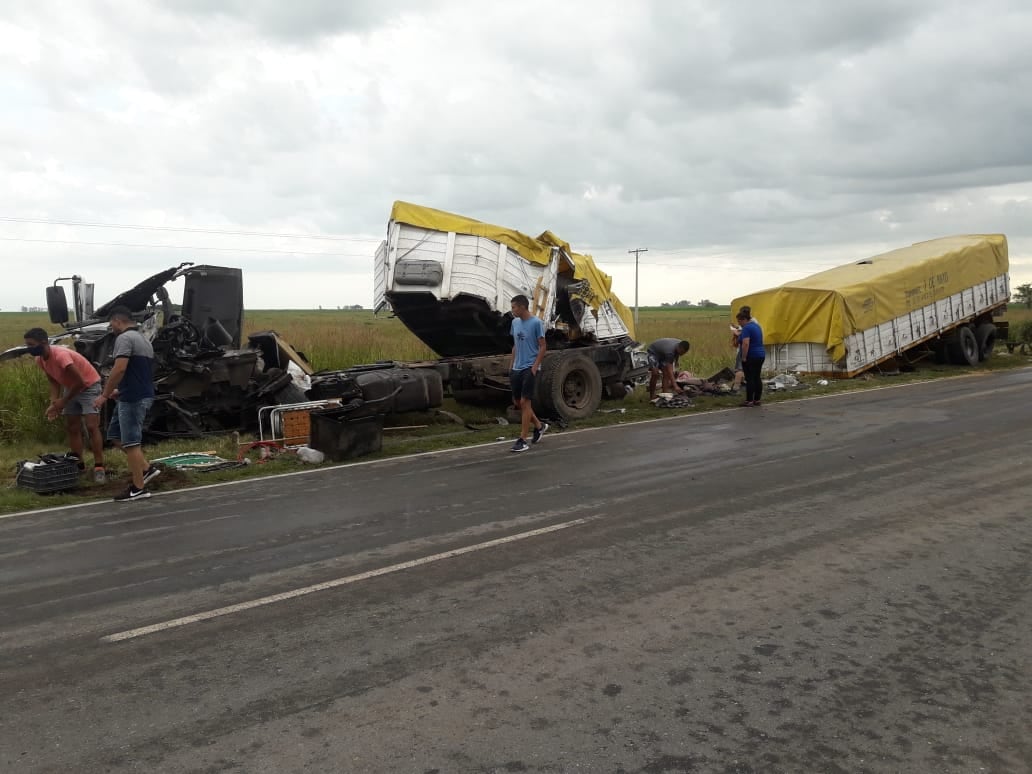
x=289, y=424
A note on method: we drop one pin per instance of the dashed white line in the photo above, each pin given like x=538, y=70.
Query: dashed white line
x=186, y=620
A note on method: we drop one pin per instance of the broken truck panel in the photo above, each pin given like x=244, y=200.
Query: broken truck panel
x=841, y=322
x=450, y=279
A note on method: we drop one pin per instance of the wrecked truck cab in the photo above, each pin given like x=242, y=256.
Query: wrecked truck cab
x=205, y=379
x=450, y=280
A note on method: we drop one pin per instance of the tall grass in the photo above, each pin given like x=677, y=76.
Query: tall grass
x=23, y=399
x=337, y=339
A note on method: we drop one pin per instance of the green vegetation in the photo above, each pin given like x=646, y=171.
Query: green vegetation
x=335, y=339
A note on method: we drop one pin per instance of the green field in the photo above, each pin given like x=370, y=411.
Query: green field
x=336, y=339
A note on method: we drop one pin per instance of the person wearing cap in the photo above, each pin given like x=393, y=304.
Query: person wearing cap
x=131, y=383
x=663, y=355
x=74, y=385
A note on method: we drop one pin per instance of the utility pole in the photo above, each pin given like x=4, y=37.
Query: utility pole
x=636, y=251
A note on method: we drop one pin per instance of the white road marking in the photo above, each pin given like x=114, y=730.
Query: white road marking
x=174, y=623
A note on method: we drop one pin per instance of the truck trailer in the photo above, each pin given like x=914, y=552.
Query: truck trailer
x=938, y=296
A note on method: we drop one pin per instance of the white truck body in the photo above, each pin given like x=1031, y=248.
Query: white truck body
x=450, y=264
x=871, y=346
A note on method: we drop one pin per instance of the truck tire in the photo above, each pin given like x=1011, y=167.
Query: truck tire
x=963, y=347
x=569, y=387
x=985, y=335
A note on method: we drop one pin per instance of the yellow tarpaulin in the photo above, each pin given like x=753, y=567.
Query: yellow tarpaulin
x=829, y=306
x=537, y=251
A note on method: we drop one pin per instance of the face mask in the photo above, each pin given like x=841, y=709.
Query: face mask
x=37, y=350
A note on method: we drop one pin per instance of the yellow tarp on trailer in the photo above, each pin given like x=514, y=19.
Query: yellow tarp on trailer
x=828, y=306
x=537, y=250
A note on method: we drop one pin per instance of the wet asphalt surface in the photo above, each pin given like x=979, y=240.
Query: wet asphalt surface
x=831, y=585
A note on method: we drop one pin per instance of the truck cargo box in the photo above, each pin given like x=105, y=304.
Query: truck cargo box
x=450, y=280
x=845, y=320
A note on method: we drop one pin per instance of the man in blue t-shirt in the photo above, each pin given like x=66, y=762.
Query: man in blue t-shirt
x=131, y=381
x=750, y=341
x=528, y=350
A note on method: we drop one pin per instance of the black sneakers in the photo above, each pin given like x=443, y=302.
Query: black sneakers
x=539, y=431
x=150, y=474
x=520, y=446
x=132, y=493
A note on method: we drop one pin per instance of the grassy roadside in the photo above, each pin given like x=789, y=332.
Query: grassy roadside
x=422, y=432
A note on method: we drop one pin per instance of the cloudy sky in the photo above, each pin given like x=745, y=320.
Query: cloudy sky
x=743, y=142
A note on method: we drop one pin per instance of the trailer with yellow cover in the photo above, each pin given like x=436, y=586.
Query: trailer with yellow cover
x=939, y=296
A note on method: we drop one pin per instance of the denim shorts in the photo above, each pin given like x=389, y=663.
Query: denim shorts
x=522, y=383
x=83, y=402
x=127, y=422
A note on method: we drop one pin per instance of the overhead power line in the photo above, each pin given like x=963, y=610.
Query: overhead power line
x=185, y=229
x=187, y=247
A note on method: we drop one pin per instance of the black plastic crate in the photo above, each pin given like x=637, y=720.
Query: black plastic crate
x=48, y=477
x=341, y=437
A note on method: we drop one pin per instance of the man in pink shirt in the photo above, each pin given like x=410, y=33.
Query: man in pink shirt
x=74, y=384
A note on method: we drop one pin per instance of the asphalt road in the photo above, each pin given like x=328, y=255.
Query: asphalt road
x=839, y=584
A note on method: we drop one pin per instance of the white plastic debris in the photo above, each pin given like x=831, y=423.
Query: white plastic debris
x=310, y=455
x=822, y=382
x=301, y=379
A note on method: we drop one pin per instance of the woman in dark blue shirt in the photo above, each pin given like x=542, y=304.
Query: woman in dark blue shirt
x=750, y=340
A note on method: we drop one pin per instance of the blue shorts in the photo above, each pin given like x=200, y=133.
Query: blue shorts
x=522, y=382
x=126, y=424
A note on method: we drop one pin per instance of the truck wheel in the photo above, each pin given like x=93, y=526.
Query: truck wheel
x=569, y=386
x=963, y=347
x=985, y=334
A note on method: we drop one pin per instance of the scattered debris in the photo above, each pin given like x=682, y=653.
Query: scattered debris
x=453, y=416
x=310, y=455
x=202, y=462
x=673, y=401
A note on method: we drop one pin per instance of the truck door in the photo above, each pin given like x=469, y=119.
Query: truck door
x=215, y=294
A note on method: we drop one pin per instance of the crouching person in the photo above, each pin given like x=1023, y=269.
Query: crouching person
x=74, y=385
x=131, y=382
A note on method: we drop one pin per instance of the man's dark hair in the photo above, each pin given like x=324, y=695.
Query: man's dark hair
x=684, y=345
x=37, y=334
x=743, y=315
x=745, y=311
x=123, y=313
x=521, y=300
